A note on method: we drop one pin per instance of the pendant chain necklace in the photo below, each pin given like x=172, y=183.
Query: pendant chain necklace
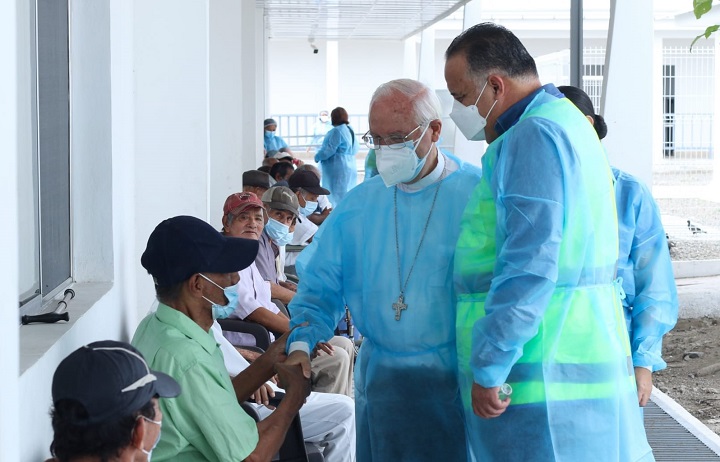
x=400, y=305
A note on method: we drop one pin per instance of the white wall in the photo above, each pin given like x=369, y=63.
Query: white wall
x=628, y=91
x=157, y=102
x=12, y=79
x=296, y=78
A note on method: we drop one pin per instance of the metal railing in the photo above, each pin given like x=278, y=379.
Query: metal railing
x=303, y=131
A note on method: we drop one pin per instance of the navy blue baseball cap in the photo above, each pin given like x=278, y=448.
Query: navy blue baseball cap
x=110, y=380
x=182, y=246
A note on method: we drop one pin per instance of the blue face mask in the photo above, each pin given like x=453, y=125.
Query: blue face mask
x=278, y=232
x=309, y=208
x=269, y=134
x=223, y=311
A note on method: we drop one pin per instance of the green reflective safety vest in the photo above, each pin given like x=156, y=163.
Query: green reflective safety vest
x=581, y=351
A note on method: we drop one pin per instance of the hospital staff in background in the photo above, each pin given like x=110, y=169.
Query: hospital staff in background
x=336, y=157
x=538, y=307
x=273, y=142
x=386, y=252
x=644, y=265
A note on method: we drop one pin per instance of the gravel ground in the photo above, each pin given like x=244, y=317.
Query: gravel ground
x=689, y=246
x=691, y=349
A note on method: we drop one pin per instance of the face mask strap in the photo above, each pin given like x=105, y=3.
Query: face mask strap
x=481, y=93
x=491, y=108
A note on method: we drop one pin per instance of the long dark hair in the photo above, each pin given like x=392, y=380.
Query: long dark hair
x=583, y=102
x=339, y=116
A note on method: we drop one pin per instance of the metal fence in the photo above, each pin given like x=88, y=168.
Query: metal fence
x=303, y=131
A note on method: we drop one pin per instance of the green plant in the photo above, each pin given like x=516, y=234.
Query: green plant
x=700, y=7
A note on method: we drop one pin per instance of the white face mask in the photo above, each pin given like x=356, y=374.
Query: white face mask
x=469, y=120
x=400, y=163
x=157, y=439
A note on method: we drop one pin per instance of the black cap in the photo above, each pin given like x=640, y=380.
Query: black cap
x=110, y=380
x=258, y=179
x=182, y=246
x=308, y=181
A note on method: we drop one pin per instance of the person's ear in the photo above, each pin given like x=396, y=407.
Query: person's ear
x=497, y=85
x=194, y=285
x=436, y=127
x=224, y=223
x=138, y=434
x=591, y=119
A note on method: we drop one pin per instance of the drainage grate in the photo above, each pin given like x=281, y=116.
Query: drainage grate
x=670, y=441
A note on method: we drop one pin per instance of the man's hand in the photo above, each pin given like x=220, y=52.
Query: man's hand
x=276, y=350
x=288, y=285
x=326, y=347
x=486, y=401
x=643, y=377
x=300, y=358
x=291, y=376
x=263, y=395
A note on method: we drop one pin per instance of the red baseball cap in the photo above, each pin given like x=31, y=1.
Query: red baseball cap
x=239, y=202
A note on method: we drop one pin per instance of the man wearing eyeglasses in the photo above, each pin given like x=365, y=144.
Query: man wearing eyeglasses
x=386, y=252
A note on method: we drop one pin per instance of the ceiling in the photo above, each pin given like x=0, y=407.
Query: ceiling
x=352, y=19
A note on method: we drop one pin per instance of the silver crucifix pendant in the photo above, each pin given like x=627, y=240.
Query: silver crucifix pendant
x=398, y=306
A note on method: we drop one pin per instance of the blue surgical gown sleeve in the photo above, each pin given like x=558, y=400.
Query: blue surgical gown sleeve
x=319, y=299
x=330, y=146
x=651, y=302
x=529, y=203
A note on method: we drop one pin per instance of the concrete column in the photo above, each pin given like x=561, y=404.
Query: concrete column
x=253, y=70
x=472, y=13
x=225, y=106
x=14, y=82
x=715, y=187
x=332, y=70
x=628, y=102
x=469, y=151
x=122, y=95
x=426, y=73
x=410, y=58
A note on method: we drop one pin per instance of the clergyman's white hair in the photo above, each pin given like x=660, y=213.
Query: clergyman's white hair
x=426, y=105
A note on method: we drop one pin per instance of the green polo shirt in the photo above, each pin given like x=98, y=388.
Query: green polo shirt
x=205, y=422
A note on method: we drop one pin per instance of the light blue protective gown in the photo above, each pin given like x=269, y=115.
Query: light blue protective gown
x=651, y=304
x=537, y=306
x=407, y=400
x=337, y=161
x=272, y=142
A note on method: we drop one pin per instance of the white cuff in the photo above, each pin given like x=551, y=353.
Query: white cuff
x=302, y=346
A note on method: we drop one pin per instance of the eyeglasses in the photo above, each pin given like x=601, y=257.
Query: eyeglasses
x=392, y=141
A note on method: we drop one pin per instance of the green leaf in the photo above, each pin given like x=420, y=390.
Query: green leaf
x=709, y=31
x=700, y=7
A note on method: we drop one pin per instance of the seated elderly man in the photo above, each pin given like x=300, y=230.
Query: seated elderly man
x=306, y=186
x=281, y=172
x=332, y=369
x=105, y=404
x=257, y=182
x=195, y=270
x=328, y=419
x=324, y=207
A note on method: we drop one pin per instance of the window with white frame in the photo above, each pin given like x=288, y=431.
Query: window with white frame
x=44, y=178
